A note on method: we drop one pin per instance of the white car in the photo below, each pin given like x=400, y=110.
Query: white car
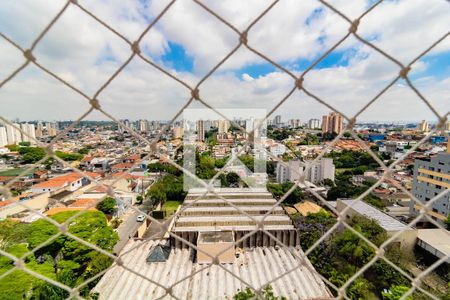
x=140, y=218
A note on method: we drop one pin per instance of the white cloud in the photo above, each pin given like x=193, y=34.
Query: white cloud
x=85, y=54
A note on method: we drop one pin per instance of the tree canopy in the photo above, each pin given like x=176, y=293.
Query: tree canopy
x=62, y=259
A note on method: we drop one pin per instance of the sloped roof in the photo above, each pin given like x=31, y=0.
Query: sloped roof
x=256, y=266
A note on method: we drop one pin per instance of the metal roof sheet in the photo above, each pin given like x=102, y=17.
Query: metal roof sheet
x=256, y=266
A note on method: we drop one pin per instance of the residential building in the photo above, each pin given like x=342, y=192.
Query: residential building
x=13, y=134
x=29, y=133
x=323, y=169
x=155, y=125
x=51, y=129
x=287, y=173
x=333, y=122
x=143, y=126
x=277, y=120
x=294, y=123
x=432, y=177
x=121, y=128
x=200, y=130
x=177, y=132
x=223, y=126
x=313, y=123
x=277, y=149
x=39, y=130
x=71, y=181
x=3, y=137
x=423, y=126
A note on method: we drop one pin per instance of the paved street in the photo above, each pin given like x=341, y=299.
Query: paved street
x=126, y=229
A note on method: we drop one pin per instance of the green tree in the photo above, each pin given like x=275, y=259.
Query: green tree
x=278, y=190
x=69, y=156
x=31, y=155
x=347, y=134
x=62, y=259
x=108, y=206
x=395, y=292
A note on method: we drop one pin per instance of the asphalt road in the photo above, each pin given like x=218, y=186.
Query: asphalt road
x=127, y=229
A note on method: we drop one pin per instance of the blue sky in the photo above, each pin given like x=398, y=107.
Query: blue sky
x=188, y=42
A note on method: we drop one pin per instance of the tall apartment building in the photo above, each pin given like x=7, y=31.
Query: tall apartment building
x=39, y=130
x=324, y=169
x=223, y=126
x=313, y=123
x=29, y=133
x=294, y=123
x=13, y=134
x=334, y=122
x=277, y=120
x=143, y=126
x=51, y=129
x=200, y=130
x=423, y=126
x=177, y=132
x=3, y=137
x=432, y=177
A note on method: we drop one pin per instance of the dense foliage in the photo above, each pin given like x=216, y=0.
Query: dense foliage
x=343, y=253
x=62, y=259
x=310, y=139
x=278, y=190
x=69, y=156
x=344, y=188
x=359, y=160
x=31, y=155
x=279, y=134
x=169, y=187
x=161, y=167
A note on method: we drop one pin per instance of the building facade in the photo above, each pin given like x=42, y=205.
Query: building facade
x=323, y=169
x=432, y=177
x=200, y=130
x=313, y=123
x=333, y=122
x=29, y=134
x=223, y=126
x=3, y=137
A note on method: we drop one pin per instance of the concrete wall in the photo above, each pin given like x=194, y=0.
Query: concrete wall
x=141, y=229
x=213, y=249
x=407, y=239
x=38, y=202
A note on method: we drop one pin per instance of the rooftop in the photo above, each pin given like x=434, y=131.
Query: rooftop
x=438, y=239
x=208, y=281
x=385, y=221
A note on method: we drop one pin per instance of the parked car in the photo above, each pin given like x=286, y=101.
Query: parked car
x=140, y=218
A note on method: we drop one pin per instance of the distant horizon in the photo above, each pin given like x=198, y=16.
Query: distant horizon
x=396, y=122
